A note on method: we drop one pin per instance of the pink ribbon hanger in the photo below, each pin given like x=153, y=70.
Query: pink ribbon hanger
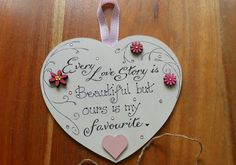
x=109, y=37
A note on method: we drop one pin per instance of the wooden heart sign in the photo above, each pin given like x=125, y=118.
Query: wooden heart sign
x=95, y=91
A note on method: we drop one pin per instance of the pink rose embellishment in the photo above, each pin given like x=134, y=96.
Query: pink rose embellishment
x=169, y=79
x=58, y=78
x=136, y=47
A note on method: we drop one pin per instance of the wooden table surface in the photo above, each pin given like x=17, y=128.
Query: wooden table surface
x=201, y=32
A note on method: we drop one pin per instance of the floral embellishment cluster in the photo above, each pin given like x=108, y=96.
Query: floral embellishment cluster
x=136, y=47
x=58, y=78
x=170, y=79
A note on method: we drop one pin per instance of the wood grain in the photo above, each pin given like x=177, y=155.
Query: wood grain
x=202, y=34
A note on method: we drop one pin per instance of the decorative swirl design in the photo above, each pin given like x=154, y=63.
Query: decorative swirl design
x=76, y=116
x=154, y=51
x=168, y=66
x=159, y=52
x=66, y=100
x=71, y=124
x=118, y=50
x=86, y=131
x=74, y=127
x=77, y=50
x=48, y=70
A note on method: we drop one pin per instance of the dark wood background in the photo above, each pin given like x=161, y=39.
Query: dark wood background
x=201, y=32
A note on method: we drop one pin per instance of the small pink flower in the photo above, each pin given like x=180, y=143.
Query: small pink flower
x=169, y=79
x=58, y=78
x=136, y=47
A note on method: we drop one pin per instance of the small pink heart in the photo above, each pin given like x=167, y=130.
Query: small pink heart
x=115, y=145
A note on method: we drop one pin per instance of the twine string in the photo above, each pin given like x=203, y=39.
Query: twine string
x=88, y=161
x=140, y=157
x=172, y=135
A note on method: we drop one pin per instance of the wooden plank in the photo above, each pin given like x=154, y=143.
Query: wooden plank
x=25, y=38
x=228, y=45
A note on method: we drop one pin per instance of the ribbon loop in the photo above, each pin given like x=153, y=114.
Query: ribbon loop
x=109, y=37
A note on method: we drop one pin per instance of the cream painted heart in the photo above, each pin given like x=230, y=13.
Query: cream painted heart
x=110, y=91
